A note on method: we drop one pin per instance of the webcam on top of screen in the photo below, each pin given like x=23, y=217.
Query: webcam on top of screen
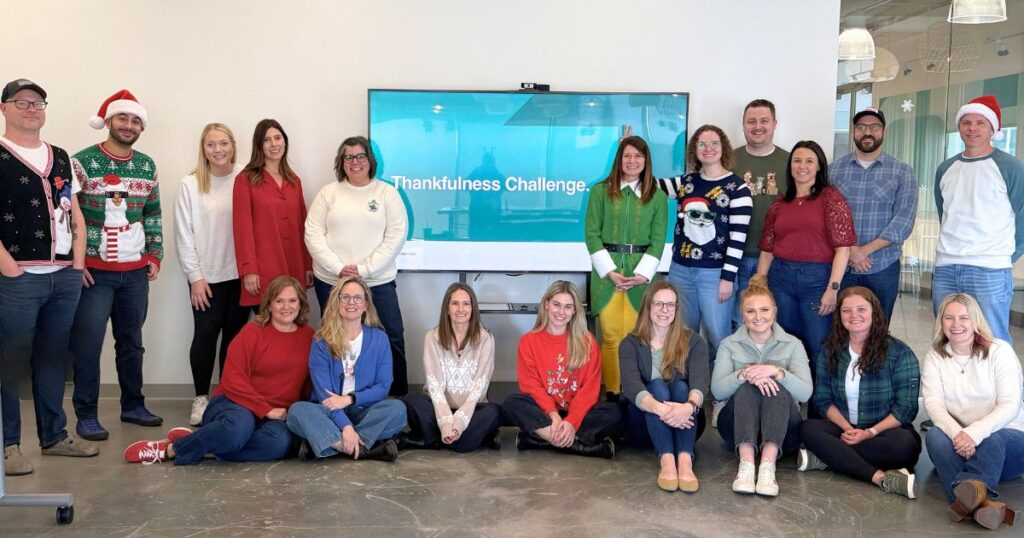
x=534, y=87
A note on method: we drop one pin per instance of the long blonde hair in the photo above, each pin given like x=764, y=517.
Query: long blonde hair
x=202, y=169
x=677, y=341
x=982, y=333
x=331, y=330
x=580, y=339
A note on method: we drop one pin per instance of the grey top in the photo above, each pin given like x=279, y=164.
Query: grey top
x=784, y=350
x=636, y=367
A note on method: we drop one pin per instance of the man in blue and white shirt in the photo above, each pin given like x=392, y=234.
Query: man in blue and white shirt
x=882, y=193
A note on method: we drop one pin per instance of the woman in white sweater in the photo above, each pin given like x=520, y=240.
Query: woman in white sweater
x=356, y=227
x=458, y=360
x=971, y=383
x=206, y=252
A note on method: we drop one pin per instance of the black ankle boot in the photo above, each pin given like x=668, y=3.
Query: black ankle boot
x=529, y=441
x=406, y=443
x=386, y=450
x=605, y=448
x=493, y=441
x=306, y=451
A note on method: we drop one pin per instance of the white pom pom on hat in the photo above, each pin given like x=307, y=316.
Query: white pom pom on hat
x=122, y=102
x=987, y=107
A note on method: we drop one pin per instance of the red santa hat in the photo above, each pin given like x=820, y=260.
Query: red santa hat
x=122, y=102
x=695, y=202
x=113, y=183
x=987, y=107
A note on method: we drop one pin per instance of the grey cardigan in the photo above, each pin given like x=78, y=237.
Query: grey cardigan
x=635, y=366
x=783, y=350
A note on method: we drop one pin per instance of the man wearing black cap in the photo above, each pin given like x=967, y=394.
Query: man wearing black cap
x=882, y=193
x=42, y=254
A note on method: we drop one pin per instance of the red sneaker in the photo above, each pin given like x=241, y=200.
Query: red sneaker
x=177, y=433
x=146, y=452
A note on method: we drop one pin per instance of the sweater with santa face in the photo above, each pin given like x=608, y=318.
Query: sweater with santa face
x=712, y=220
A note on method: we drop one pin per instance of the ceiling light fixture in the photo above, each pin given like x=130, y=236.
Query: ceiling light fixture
x=856, y=44
x=977, y=11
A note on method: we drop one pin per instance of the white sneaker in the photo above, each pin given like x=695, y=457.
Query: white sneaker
x=766, y=484
x=807, y=461
x=744, y=482
x=198, y=408
x=716, y=409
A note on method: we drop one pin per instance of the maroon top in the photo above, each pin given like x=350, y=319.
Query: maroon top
x=807, y=230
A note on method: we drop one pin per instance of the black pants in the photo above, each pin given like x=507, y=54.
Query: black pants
x=223, y=319
x=896, y=448
x=751, y=417
x=603, y=420
x=483, y=424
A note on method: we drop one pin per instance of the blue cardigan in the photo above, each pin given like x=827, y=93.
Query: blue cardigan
x=373, y=372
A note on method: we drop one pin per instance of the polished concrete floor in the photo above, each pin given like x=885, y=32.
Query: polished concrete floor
x=488, y=493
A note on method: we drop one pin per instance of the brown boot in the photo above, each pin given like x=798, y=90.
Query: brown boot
x=991, y=513
x=969, y=494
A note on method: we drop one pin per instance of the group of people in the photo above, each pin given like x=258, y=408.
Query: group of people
x=768, y=244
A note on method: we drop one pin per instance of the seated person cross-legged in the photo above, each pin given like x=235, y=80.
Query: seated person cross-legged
x=350, y=365
x=664, y=367
x=866, y=383
x=559, y=371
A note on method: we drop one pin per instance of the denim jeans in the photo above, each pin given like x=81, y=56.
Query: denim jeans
x=232, y=433
x=483, y=424
x=751, y=417
x=747, y=268
x=666, y=439
x=221, y=320
x=35, y=323
x=312, y=422
x=123, y=298
x=385, y=300
x=993, y=288
x=796, y=286
x=603, y=420
x=885, y=284
x=998, y=458
x=698, y=303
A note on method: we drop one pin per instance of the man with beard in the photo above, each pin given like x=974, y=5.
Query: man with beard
x=118, y=269
x=882, y=194
x=762, y=166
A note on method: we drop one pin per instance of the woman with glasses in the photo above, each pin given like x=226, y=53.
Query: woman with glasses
x=350, y=365
x=665, y=379
x=268, y=212
x=764, y=374
x=356, y=227
x=714, y=213
x=625, y=235
x=805, y=247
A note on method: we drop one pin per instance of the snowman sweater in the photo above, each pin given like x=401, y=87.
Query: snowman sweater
x=712, y=221
x=137, y=174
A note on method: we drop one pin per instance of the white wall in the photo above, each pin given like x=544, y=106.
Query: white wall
x=309, y=64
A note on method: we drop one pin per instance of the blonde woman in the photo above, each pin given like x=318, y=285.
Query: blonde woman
x=971, y=384
x=206, y=253
x=350, y=365
x=664, y=368
x=559, y=371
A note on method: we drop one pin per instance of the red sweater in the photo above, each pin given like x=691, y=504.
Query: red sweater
x=543, y=371
x=266, y=368
x=806, y=230
x=269, y=224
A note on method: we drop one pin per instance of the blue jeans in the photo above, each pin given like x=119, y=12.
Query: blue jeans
x=123, y=298
x=998, y=458
x=746, y=269
x=666, y=439
x=232, y=433
x=885, y=284
x=796, y=285
x=698, y=302
x=385, y=300
x=993, y=288
x=35, y=321
x=312, y=422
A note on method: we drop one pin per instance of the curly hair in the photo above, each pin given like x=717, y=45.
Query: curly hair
x=693, y=163
x=876, y=347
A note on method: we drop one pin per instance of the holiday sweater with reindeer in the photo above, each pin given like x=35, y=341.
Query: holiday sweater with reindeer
x=120, y=200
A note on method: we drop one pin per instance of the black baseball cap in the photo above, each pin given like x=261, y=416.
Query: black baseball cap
x=869, y=112
x=17, y=85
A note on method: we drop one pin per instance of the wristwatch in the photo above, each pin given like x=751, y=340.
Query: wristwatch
x=833, y=285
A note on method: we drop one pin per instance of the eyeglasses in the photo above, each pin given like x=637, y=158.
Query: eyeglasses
x=357, y=299
x=22, y=104
x=697, y=214
x=662, y=305
x=712, y=144
x=358, y=157
x=865, y=127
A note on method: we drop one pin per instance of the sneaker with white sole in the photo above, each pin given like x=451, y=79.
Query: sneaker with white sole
x=73, y=447
x=744, y=482
x=174, y=434
x=716, y=409
x=900, y=482
x=199, y=404
x=807, y=461
x=147, y=452
x=766, y=484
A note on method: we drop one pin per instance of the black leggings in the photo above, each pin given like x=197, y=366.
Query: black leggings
x=896, y=448
x=223, y=319
x=483, y=424
x=603, y=420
